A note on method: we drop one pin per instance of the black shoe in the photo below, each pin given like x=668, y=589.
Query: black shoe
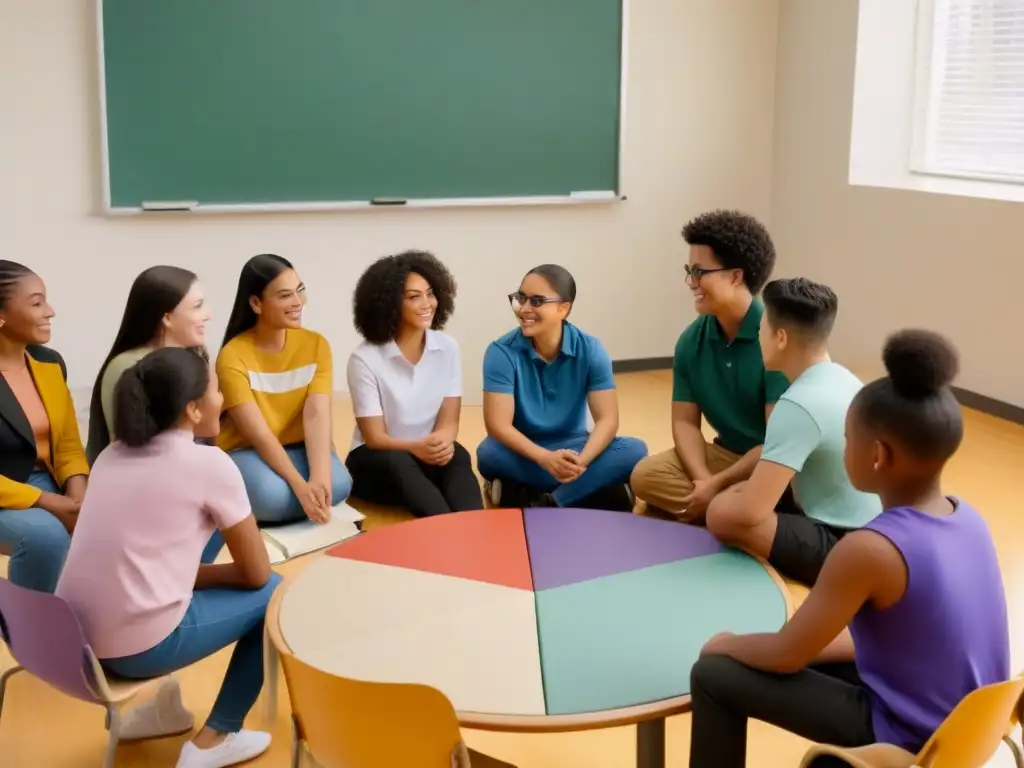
x=508, y=494
x=614, y=498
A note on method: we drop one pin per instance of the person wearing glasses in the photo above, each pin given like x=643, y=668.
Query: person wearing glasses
x=717, y=372
x=406, y=386
x=540, y=380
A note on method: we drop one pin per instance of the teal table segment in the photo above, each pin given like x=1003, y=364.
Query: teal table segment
x=631, y=638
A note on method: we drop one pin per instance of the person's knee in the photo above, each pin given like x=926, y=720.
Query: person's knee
x=710, y=676
x=644, y=476
x=722, y=523
x=489, y=455
x=461, y=456
x=632, y=450
x=341, y=481
x=272, y=501
x=46, y=533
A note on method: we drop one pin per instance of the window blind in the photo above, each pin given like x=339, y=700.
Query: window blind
x=969, y=120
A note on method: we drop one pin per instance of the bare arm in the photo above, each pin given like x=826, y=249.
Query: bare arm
x=250, y=566
x=253, y=428
x=499, y=410
x=744, y=468
x=447, y=422
x=689, y=440
x=604, y=407
x=316, y=424
x=863, y=568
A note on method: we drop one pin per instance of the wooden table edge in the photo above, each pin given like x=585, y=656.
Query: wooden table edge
x=583, y=721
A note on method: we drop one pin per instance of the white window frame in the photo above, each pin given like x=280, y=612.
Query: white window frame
x=929, y=65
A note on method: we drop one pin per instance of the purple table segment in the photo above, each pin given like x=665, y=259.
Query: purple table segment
x=568, y=546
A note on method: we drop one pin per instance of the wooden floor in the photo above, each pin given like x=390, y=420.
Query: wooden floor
x=41, y=727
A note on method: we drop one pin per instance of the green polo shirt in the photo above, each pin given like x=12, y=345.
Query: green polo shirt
x=727, y=379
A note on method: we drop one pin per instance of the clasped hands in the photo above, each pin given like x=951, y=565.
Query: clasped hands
x=315, y=496
x=563, y=464
x=436, y=449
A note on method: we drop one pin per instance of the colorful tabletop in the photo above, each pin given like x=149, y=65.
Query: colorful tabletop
x=537, y=619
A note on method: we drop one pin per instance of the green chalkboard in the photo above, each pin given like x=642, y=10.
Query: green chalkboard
x=293, y=101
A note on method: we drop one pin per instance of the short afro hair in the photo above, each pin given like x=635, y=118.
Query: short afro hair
x=739, y=241
x=377, y=301
x=801, y=305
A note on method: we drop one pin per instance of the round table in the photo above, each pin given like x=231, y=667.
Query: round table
x=531, y=620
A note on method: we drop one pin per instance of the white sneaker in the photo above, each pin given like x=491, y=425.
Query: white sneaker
x=492, y=493
x=163, y=715
x=236, y=748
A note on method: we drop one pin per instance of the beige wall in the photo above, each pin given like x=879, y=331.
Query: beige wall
x=699, y=134
x=896, y=258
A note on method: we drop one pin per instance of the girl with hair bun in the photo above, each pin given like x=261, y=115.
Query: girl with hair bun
x=918, y=589
x=134, y=574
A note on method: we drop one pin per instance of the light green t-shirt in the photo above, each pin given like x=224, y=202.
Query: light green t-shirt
x=111, y=376
x=807, y=433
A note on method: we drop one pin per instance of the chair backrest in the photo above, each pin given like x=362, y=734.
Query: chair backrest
x=44, y=637
x=974, y=730
x=354, y=724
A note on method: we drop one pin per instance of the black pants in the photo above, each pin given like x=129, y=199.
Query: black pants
x=397, y=478
x=801, y=544
x=827, y=704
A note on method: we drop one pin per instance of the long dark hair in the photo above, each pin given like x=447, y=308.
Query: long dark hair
x=151, y=396
x=257, y=274
x=155, y=292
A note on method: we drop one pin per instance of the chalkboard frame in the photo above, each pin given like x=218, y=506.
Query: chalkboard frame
x=586, y=197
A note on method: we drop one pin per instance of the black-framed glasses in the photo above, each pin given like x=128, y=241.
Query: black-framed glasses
x=696, y=273
x=521, y=299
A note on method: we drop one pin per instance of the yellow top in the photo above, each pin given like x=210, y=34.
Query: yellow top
x=278, y=382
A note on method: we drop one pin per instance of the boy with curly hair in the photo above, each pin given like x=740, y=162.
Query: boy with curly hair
x=718, y=372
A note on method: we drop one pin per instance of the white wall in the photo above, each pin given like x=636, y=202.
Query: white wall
x=699, y=135
x=896, y=258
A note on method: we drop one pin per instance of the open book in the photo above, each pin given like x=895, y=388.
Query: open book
x=306, y=536
x=287, y=541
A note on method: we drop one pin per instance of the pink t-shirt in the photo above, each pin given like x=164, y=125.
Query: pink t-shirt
x=148, y=514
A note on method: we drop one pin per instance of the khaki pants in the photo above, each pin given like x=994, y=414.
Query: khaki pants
x=661, y=481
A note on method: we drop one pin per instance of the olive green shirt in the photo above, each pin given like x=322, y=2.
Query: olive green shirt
x=115, y=368
x=726, y=379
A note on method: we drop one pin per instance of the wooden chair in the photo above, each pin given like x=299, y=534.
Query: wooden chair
x=966, y=739
x=343, y=723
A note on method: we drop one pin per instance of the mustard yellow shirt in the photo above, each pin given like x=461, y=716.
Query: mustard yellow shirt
x=278, y=382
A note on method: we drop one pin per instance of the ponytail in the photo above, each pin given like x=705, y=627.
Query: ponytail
x=151, y=396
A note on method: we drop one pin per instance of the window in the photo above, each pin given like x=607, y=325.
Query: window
x=969, y=100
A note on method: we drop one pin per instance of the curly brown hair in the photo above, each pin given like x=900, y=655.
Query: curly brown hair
x=739, y=241
x=377, y=300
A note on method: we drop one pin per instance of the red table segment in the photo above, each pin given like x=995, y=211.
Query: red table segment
x=488, y=546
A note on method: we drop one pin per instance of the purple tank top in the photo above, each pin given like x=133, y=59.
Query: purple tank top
x=946, y=636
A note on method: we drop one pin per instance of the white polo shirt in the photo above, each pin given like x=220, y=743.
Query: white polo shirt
x=383, y=383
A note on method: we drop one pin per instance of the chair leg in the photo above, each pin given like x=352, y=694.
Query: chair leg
x=1018, y=756
x=297, y=747
x=271, y=662
x=114, y=726
x=6, y=675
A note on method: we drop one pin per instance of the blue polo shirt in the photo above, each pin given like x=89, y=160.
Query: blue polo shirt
x=551, y=398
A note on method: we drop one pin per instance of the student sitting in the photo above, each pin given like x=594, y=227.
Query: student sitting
x=539, y=381
x=133, y=575
x=165, y=308
x=919, y=588
x=278, y=382
x=717, y=372
x=803, y=445
x=43, y=468
x=406, y=387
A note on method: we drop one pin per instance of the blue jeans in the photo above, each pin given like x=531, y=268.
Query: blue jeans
x=39, y=541
x=613, y=466
x=215, y=618
x=270, y=496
